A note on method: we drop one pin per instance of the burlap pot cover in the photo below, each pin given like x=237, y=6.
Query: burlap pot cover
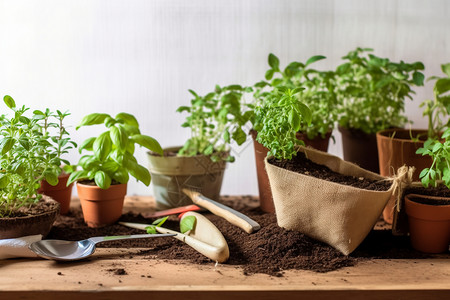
x=336, y=214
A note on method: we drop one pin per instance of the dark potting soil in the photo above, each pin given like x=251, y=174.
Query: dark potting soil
x=271, y=250
x=302, y=165
x=35, y=209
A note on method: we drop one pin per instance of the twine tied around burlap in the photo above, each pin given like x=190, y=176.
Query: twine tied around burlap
x=401, y=179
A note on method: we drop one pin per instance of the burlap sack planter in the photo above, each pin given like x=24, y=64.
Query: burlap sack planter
x=336, y=214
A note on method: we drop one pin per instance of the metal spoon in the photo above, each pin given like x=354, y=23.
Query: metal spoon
x=75, y=250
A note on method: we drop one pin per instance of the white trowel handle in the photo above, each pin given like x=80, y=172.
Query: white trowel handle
x=234, y=217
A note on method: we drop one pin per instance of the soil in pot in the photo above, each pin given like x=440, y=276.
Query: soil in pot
x=302, y=165
x=30, y=220
x=360, y=148
x=270, y=250
x=265, y=194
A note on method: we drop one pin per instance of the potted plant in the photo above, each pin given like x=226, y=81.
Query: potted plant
x=104, y=173
x=59, y=144
x=215, y=120
x=23, y=211
x=397, y=147
x=371, y=93
x=336, y=213
x=316, y=92
x=428, y=209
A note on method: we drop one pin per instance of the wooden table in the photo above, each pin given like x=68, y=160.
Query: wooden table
x=161, y=279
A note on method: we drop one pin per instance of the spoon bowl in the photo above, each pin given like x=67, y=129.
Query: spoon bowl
x=76, y=250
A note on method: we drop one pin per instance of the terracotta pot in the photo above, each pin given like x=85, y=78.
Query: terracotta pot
x=395, y=149
x=360, y=148
x=101, y=207
x=265, y=194
x=429, y=225
x=170, y=174
x=30, y=225
x=60, y=192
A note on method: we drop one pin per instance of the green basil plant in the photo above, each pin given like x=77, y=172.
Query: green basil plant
x=112, y=152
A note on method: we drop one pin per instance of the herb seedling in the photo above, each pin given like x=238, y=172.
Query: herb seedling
x=440, y=167
x=186, y=224
x=371, y=91
x=438, y=109
x=29, y=154
x=278, y=118
x=112, y=159
x=215, y=120
x=317, y=92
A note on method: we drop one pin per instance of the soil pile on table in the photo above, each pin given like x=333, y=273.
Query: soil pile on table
x=300, y=164
x=271, y=250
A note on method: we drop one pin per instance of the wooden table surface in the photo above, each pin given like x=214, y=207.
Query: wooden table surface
x=160, y=279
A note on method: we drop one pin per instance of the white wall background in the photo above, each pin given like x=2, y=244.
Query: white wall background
x=141, y=56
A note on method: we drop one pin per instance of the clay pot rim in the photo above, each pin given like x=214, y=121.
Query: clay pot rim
x=88, y=186
x=385, y=134
x=409, y=196
x=175, y=149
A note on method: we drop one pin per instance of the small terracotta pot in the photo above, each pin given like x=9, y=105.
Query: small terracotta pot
x=395, y=149
x=429, y=225
x=101, y=207
x=30, y=225
x=265, y=194
x=60, y=192
x=360, y=148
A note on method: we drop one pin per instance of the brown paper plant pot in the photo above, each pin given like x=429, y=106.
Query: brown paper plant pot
x=60, y=192
x=395, y=149
x=101, y=207
x=336, y=214
x=429, y=225
x=360, y=148
x=30, y=225
x=265, y=194
x=170, y=174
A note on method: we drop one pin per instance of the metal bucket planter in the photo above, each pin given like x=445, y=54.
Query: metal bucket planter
x=170, y=174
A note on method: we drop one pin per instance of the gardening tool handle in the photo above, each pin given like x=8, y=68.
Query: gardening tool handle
x=234, y=217
x=99, y=239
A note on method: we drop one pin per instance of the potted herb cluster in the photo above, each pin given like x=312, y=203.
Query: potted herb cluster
x=26, y=158
x=371, y=93
x=215, y=120
x=397, y=147
x=340, y=214
x=428, y=208
x=103, y=175
x=317, y=92
x=59, y=144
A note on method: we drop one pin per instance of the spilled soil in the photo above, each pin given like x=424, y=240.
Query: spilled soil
x=271, y=250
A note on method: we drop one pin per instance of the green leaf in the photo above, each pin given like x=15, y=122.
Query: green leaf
x=4, y=181
x=226, y=136
x=77, y=175
x=51, y=178
x=424, y=172
x=92, y=119
x=148, y=142
x=6, y=145
x=269, y=74
x=438, y=146
x=442, y=85
x=159, y=222
x=121, y=175
x=137, y=171
x=294, y=120
x=9, y=101
x=102, y=146
x=274, y=62
x=119, y=137
x=183, y=108
x=446, y=69
x=239, y=136
x=314, y=59
x=127, y=119
x=87, y=144
x=102, y=180
x=187, y=223
x=418, y=78
x=151, y=229
x=306, y=112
